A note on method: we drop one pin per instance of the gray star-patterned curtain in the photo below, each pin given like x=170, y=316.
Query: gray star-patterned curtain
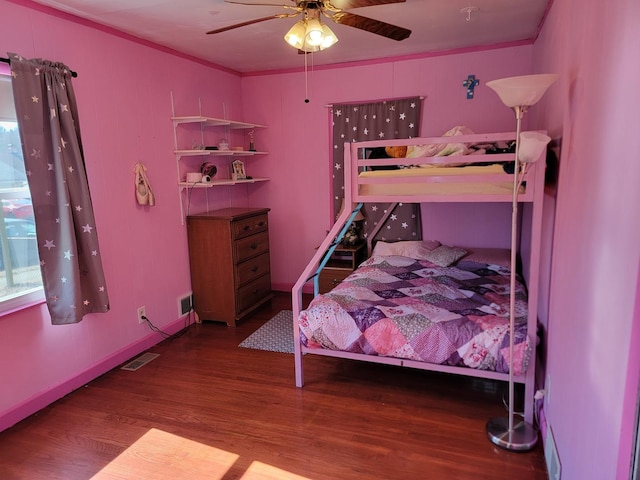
x=357, y=122
x=47, y=115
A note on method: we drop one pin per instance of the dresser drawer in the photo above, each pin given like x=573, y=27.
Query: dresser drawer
x=249, y=226
x=253, y=292
x=251, y=246
x=252, y=269
x=330, y=277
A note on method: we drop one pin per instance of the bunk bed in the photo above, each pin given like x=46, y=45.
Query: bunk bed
x=396, y=329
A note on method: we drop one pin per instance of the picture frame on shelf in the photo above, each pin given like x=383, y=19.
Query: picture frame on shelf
x=238, y=171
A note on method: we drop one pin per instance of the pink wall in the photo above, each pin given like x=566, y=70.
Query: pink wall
x=124, y=94
x=592, y=355
x=298, y=138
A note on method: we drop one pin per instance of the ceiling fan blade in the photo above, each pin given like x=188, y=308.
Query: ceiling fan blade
x=243, y=24
x=335, y=5
x=371, y=25
x=268, y=4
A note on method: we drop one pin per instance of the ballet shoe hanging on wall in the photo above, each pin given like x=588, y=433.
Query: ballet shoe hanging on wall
x=144, y=194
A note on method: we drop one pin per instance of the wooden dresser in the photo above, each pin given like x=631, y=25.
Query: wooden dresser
x=229, y=259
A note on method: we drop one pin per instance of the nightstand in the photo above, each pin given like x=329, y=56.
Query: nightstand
x=342, y=263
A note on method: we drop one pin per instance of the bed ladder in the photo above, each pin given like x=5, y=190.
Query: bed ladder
x=331, y=249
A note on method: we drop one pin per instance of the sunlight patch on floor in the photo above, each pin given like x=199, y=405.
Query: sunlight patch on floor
x=161, y=455
x=262, y=471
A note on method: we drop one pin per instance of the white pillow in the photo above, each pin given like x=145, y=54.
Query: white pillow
x=411, y=248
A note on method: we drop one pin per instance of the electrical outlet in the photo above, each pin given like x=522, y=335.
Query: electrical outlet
x=142, y=312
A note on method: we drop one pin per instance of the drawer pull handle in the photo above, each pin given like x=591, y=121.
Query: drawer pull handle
x=253, y=246
x=254, y=269
x=261, y=224
x=246, y=227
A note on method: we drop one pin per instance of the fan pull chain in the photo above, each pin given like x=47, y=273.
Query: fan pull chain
x=306, y=88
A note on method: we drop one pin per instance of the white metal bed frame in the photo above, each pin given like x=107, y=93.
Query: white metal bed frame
x=532, y=176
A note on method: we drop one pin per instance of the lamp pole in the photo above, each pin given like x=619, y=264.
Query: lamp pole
x=504, y=432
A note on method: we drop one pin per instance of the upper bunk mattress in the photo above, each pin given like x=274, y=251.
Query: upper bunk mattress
x=476, y=179
x=406, y=308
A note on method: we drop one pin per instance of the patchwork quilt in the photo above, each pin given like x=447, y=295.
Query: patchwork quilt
x=402, y=307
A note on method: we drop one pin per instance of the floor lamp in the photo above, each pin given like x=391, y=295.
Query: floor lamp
x=518, y=93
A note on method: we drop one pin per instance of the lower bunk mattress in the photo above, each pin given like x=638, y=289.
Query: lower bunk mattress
x=413, y=309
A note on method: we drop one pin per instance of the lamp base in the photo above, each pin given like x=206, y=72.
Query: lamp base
x=523, y=437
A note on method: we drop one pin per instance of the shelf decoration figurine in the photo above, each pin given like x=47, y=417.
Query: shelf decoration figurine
x=252, y=147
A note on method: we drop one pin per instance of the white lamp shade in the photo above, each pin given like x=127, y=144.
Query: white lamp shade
x=314, y=34
x=522, y=91
x=295, y=36
x=532, y=145
x=329, y=37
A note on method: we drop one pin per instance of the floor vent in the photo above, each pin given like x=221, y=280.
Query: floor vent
x=139, y=362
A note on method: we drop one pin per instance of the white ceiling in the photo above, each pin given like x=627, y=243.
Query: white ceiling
x=436, y=25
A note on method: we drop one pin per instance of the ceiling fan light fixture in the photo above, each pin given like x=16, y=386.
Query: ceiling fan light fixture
x=310, y=35
x=296, y=35
x=314, y=34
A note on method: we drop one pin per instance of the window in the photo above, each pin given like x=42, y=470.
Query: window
x=20, y=278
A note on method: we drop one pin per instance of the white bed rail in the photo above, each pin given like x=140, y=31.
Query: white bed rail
x=417, y=185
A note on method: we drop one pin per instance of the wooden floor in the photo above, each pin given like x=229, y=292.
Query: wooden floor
x=207, y=409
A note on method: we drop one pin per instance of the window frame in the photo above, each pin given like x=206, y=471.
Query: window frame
x=30, y=296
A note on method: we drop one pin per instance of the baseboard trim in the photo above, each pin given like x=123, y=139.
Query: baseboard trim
x=13, y=415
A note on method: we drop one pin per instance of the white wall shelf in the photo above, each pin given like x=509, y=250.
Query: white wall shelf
x=215, y=122
x=205, y=123
x=214, y=183
x=217, y=153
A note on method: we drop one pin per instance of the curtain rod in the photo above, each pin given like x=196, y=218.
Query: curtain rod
x=330, y=105
x=7, y=60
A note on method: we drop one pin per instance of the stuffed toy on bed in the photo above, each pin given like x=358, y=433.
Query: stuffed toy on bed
x=396, y=152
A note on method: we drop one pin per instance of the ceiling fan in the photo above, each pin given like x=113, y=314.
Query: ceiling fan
x=310, y=34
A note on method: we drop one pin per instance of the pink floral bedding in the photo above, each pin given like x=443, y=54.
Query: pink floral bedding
x=401, y=307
